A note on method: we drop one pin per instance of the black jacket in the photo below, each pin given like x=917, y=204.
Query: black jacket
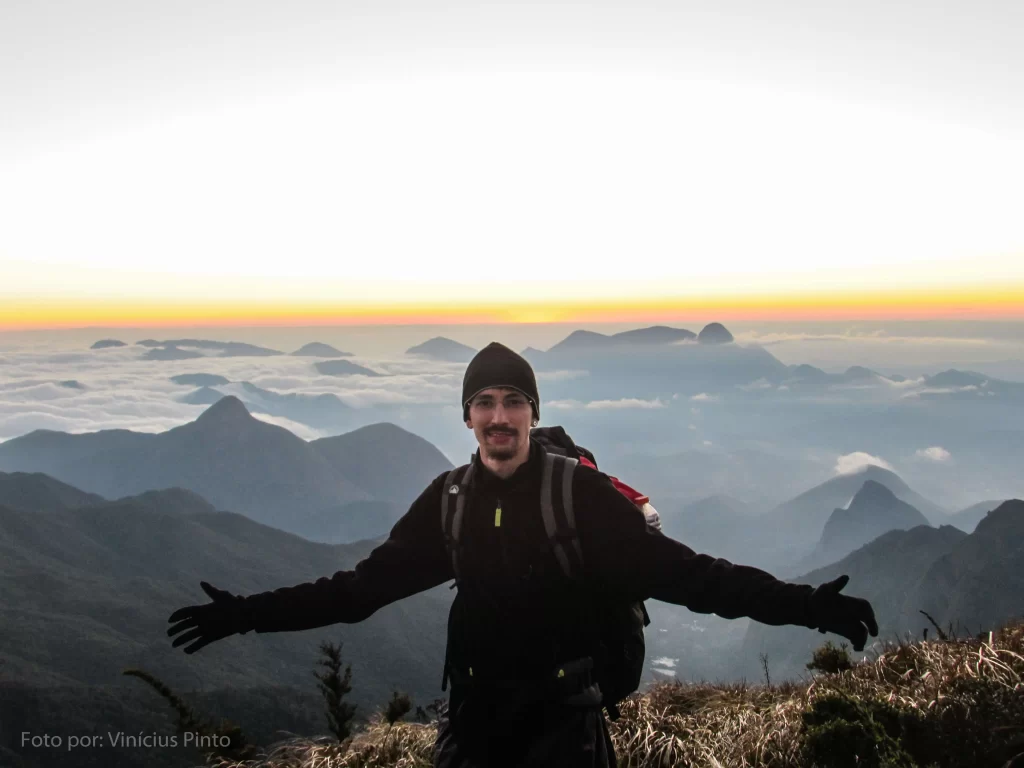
x=516, y=614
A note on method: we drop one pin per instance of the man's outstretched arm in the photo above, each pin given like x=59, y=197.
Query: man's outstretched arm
x=622, y=551
x=413, y=559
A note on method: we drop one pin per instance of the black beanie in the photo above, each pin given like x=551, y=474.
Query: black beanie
x=498, y=366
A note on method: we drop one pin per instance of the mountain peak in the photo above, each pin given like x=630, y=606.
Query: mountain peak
x=443, y=348
x=714, y=333
x=319, y=349
x=874, y=510
x=872, y=492
x=955, y=378
x=228, y=410
x=1008, y=515
x=855, y=372
x=107, y=343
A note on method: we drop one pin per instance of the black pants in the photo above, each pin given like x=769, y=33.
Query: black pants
x=482, y=732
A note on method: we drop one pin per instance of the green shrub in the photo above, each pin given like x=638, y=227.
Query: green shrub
x=334, y=686
x=397, y=708
x=830, y=658
x=840, y=732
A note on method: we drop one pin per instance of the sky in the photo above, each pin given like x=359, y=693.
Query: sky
x=241, y=163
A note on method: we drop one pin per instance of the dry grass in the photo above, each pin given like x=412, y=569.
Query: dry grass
x=970, y=692
x=402, y=745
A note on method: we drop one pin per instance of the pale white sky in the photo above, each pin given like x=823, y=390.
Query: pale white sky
x=358, y=151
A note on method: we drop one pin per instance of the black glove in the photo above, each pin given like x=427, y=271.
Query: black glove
x=851, y=617
x=225, y=616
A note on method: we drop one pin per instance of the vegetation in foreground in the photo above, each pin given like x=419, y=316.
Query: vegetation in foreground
x=945, y=704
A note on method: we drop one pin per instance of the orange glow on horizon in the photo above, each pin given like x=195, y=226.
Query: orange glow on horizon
x=967, y=303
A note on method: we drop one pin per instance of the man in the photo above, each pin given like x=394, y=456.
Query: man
x=517, y=616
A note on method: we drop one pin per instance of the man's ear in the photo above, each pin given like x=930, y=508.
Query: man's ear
x=469, y=424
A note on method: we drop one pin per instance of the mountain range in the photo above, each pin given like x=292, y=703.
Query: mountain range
x=971, y=581
x=88, y=585
x=240, y=464
x=801, y=520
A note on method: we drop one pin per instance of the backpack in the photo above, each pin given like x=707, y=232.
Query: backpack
x=619, y=625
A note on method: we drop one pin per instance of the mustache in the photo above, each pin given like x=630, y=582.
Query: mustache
x=499, y=431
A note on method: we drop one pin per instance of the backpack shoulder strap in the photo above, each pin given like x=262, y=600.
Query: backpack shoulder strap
x=453, y=507
x=557, y=510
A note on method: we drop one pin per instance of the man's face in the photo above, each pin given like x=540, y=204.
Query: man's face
x=500, y=418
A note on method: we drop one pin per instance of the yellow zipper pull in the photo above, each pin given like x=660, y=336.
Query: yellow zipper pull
x=497, y=516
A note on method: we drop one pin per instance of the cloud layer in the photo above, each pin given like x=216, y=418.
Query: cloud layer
x=121, y=390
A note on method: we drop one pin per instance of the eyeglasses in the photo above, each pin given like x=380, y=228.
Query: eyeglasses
x=510, y=403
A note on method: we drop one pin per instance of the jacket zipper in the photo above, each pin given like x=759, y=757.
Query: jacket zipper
x=500, y=535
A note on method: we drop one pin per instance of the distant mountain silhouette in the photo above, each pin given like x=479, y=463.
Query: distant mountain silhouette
x=967, y=519
x=858, y=373
x=972, y=580
x=225, y=348
x=805, y=371
x=71, y=384
x=981, y=581
x=805, y=379
x=318, y=349
x=800, y=522
x=590, y=340
x=324, y=411
x=657, y=334
x=171, y=501
x=107, y=343
x=343, y=368
x=647, y=364
x=955, y=378
x=970, y=385
x=709, y=525
x=200, y=379
x=239, y=463
x=28, y=491
x=369, y=456
x=873, y=511
x=201, y=396
x=581, y=340
x=232, y=459
x=714, y=333
x=691, y=477
x=443, y=349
